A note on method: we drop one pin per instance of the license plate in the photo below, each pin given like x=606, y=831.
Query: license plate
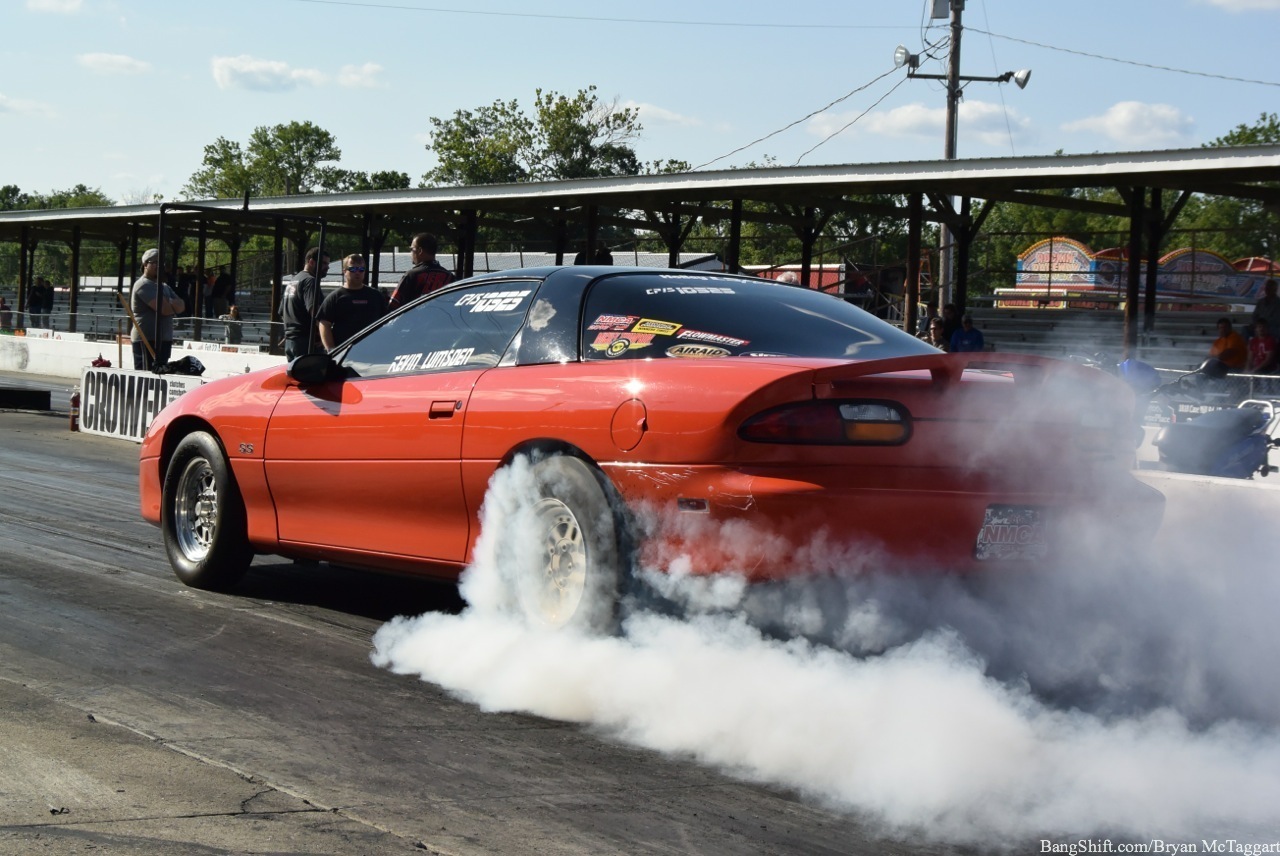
x=1012, y=532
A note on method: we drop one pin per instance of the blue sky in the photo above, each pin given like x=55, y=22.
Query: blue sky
x=123, y=95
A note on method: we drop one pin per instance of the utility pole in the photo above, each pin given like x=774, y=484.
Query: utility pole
x=946, y=273
x=954, y=82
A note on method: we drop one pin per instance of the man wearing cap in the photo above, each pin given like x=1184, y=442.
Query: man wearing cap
x=154, y=306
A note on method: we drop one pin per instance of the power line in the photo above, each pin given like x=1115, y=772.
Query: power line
x=365, y=4
x=1123, y=61
x=855, y=118
x=844, y=97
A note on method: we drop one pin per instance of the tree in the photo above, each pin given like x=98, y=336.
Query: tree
x=281, y=160
x=1236, y=228
x=567, y=137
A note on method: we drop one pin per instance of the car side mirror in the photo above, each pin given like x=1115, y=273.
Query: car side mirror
x=312, y=369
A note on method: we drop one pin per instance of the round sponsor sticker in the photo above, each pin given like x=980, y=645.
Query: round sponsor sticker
x=617, y=347
x=696, y=351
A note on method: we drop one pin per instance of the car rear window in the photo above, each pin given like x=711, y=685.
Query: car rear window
x=630, y=316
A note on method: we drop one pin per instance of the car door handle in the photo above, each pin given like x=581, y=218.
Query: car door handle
x=444, y=409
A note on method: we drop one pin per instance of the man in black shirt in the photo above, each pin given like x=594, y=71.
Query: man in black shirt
x=301, y=300
x=425, y=276
x=348, y=310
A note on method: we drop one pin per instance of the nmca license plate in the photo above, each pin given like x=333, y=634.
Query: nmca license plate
x=1012, y=532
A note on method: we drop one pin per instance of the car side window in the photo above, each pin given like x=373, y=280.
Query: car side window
x=458, y=328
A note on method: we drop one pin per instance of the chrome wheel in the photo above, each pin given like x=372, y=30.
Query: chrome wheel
x=564, y=571
x=203, y=516
x=195, y=510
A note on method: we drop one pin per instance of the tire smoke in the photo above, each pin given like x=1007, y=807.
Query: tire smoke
x=1137, y=697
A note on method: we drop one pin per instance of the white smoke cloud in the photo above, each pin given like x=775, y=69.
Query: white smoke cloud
x=1132, y=698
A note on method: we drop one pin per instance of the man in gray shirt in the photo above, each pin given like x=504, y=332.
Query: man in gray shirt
x=150, y=301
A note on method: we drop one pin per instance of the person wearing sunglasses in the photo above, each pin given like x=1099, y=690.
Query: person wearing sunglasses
x=348, y=310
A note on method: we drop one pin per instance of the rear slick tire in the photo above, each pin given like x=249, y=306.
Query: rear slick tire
x=571, y=564
x=202, y=516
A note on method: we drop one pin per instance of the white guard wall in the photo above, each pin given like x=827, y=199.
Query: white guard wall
x=67, y=355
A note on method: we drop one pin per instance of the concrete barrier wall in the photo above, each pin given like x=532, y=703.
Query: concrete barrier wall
x=66, y=355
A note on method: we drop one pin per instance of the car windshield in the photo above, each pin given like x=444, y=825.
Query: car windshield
x=691, y=315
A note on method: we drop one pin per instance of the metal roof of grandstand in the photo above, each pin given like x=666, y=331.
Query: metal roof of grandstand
x=1228, y=171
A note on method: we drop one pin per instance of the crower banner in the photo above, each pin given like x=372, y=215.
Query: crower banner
x=121, y=403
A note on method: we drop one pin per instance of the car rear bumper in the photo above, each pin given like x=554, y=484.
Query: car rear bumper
x=775, y=526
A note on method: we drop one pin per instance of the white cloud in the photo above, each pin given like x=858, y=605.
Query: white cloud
x=62, y=7
x=909, y=120
x=1137, y=125
x=981, y=121
x=660, y=115
x=360, y=76
x=261, y=75
x=1246, y=5
x=104, y=63
x=23, y=107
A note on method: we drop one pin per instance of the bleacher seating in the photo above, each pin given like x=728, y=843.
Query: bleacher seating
x=1180, y=339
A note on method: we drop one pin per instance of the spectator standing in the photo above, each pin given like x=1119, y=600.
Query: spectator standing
x=187, y=287
x=6, y=314
x=40, y=302
x=150, y=301
x=1262, y=348
x=1229, y=346
x=231, y=323
x=224, y=291
x=926, y=320
x=425, y=276
x=934, y=335
x=348, y=310
x=950, y=320
x=1268, y=307
x=301, y=300
x=968, y=337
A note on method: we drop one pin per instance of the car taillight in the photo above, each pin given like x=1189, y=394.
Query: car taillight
x=873, y=423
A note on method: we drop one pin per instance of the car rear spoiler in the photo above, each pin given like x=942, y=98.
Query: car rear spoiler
x=948, y=369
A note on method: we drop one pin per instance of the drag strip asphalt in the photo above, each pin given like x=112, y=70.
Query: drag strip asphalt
x=140, y=716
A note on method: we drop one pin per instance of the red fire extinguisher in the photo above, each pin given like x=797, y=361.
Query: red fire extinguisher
x=75, y=410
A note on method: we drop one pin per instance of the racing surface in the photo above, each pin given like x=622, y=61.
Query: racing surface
x=140, y=716
x=1135, y=703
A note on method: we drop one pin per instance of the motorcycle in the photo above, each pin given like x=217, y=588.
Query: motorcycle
x=1228, y=443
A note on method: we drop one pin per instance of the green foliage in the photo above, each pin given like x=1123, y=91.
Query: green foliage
x=1265, y=130
x=281, y=160
x=567, y=137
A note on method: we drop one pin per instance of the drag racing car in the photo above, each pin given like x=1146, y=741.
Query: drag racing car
x=723, y=423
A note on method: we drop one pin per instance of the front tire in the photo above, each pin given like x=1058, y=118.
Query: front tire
x=203, y=517
x=569, y=558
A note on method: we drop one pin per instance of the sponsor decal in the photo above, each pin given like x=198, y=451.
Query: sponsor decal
x=696, y=351
x=712, y=338
x=617, y=344
x=432, y=360
x=1011, y=532
x=699, y=289
x=659, y=328
x=119, y=403
x=405, y=363
x=613, y=322
x=495, y=301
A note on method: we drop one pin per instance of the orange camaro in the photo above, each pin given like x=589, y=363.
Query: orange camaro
x=727, y=423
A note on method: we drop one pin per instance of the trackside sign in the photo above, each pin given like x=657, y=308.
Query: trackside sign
x=120, y=403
